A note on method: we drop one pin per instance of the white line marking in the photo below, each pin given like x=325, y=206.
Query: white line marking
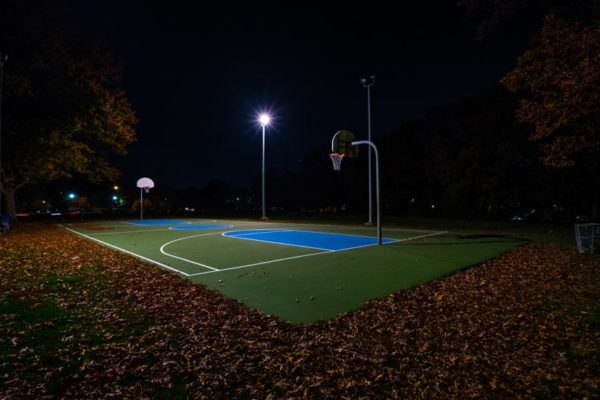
x=272, y=242
x=170, y=224
x=126, y=251
x=313, y=254
x=241, y=236
x=179, y=227
x=213, y=270
x=254, y=232
x=185, y=259
x=123, y=232
x=422, y=236
x=265, y=262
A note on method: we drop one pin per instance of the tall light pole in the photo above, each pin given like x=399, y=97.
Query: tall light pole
x=3, y=58
x=367, y=83
x=264, y=120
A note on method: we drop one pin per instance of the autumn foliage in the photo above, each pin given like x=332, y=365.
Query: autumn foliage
x=78, y=320
x=65, y=113
x=559, y=80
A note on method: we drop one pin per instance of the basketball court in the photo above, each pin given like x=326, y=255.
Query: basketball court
x=299, y=272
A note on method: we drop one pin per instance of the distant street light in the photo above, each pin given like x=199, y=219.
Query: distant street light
x=264, y=120
x=367, y=83
x=71, y=196
x=116, y=187
x=3, y=58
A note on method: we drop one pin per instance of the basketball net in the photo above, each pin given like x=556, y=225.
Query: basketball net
x=336, y=159
x=147, y=189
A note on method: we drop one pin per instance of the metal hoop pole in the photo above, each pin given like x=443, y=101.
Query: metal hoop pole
x=141, y=203
x=372, y=146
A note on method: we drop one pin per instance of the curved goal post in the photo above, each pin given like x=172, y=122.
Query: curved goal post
x=343, y=145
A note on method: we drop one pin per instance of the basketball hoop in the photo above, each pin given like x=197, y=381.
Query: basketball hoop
x=337, y=159
x=145, y=184
x=341, y=146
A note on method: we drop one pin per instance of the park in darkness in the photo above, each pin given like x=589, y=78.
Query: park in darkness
x=198, y=77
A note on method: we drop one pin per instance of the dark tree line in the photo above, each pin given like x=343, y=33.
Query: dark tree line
x=468, y=159
x=471, y=159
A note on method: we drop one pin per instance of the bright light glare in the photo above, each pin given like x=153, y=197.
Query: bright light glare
x=264, y=119
x=71, y=195
x=115, y=198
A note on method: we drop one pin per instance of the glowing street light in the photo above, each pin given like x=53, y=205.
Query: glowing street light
x=116, y=187
x=264, y=120
x=71, y=196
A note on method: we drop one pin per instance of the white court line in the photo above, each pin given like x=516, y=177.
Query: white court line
x=181, y=227
x=314, y=254
x=265, y=262
x=185, y=259
x=289, y=230
x=147, y=230
x=270, y=241
x=331, y=226
x=422, y=236
x=254, y=232
x=123, y=232
x=126, y=251
x=213, y=270
x=177, y=223
x=305, y=247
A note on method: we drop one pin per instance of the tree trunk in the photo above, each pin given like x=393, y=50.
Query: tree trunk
x=9, y=200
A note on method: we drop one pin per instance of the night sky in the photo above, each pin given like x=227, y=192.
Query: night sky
x=198, y=76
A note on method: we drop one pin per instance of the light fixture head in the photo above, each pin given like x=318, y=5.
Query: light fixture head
x=264, y=119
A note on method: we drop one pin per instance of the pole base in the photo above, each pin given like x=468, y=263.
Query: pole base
x=264, y=218
x=368, y=223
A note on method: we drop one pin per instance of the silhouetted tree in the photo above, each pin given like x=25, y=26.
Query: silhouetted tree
x=559, y=80
x=64, y=112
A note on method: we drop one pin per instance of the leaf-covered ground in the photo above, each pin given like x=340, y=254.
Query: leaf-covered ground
x=78, y=320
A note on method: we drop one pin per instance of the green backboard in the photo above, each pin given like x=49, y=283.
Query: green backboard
x=342, y=143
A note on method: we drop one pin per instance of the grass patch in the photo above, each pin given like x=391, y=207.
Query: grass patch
x=55, y=279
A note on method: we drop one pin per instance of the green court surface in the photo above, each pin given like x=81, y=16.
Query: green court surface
x=284, y=270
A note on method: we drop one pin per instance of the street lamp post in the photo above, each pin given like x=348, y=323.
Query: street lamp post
x=264, y=120
x=3, y=58
x=367, y=83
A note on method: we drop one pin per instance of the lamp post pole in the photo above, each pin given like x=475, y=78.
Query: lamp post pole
x=264, y=120
x=3, y=58
x=367, y=83
x=264, y=212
